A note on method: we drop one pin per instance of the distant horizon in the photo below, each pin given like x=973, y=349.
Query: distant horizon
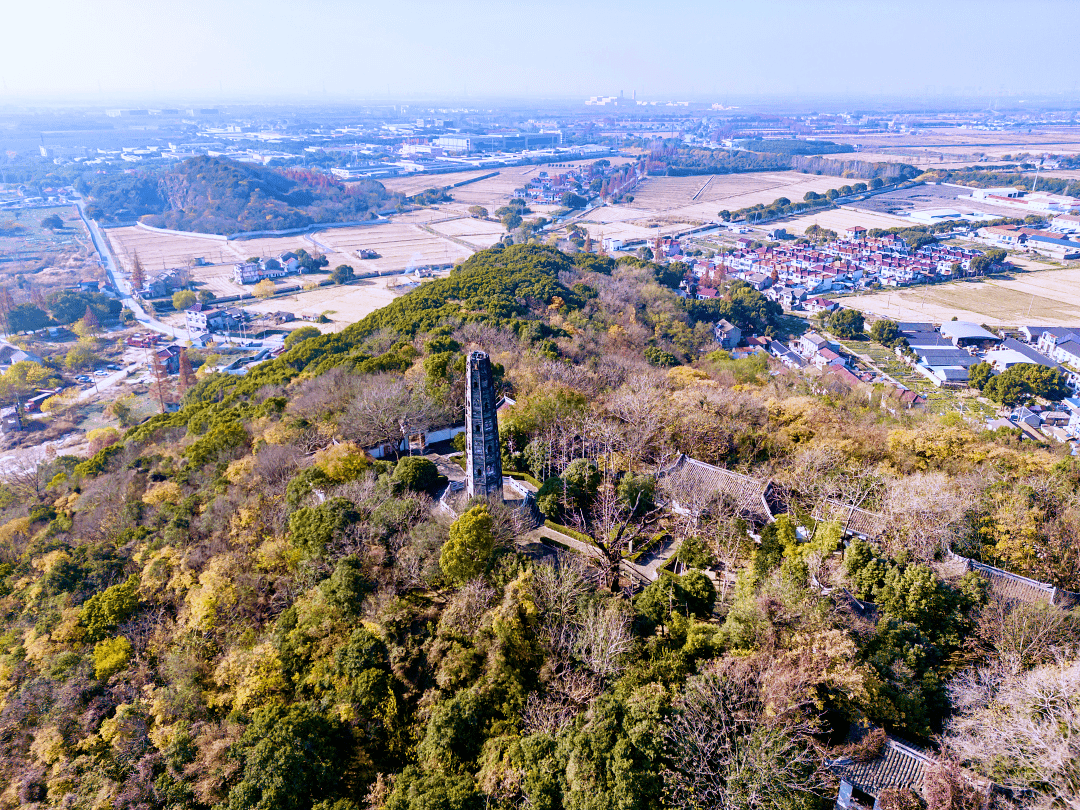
x=236, y=51
x=763, y=103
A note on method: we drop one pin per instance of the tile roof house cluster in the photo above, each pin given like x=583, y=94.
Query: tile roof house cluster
x=693, y=486
x=843, y=263
x=1049, y=243
x=547, y=188
x=254, y=272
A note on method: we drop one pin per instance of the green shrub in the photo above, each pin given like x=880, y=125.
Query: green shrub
x=418, y=474
x=111, y=656
x=102, y=612
x=467, y=553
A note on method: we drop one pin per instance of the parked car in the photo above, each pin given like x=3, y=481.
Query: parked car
x=101, y=373
x=113, y=367
x=82, y=378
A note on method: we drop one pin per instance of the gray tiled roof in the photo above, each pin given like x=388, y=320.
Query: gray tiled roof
x=1016, y=588
x=901, y=765
x=700, y=483
x=853, y=519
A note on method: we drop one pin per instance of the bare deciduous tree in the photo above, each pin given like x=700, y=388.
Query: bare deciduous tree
x=728, y=752
x=385, y=410
x=558, y=588
x=925, y=514
x=1020, y=635
x=467, y=607
x=604, y=638
x=1022, y=730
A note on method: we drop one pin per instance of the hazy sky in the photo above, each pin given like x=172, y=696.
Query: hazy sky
x=190, y=49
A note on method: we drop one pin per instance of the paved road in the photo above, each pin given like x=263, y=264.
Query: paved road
x=102, y=383
x=122, y=285
x=644, y=574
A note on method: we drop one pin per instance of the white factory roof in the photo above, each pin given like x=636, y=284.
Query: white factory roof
x=958, y=330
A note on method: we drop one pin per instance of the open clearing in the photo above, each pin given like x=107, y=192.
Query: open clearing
x=840, y=219
x=702, y=196
x=954, y=145
x=669, y=204
x=1047, y=297
x=343, y=305
x=422, y=182
x=402, y=244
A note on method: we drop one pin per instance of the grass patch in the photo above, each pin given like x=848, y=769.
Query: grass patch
x=584, y=538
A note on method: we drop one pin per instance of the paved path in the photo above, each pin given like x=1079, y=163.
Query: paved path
x=642, y=572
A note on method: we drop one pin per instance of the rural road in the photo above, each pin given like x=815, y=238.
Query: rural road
x=122, y=285
x=101, y=383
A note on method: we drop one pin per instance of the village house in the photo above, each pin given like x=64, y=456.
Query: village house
x=1047, y=338
x=1068, y=353
x=728, y=335
x=812, y=343
x=164, y=284
x=202, y=318
x=827, y=357
x=816, y=306
x=706, y=293
x=167, y=357
x=11, y=354
x=785, y=355
x=10, y=422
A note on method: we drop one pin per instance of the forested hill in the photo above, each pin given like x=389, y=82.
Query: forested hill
x=233, y=606
x=677, y=160
x=215, y=195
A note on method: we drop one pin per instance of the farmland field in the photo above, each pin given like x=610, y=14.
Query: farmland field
x=343, y=305
x=402, y=244
x=56, y=258
x=668, y=204
x=840, y=219
x=1047, y=297
x=421, y=182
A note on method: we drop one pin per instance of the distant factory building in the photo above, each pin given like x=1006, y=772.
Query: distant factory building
x=514, y=142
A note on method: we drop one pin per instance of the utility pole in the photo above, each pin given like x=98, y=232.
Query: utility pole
x=160, y=378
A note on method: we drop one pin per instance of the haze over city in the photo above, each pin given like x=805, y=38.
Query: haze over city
x=160, y=50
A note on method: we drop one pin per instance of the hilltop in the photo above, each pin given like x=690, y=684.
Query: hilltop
x=235, y=605
x=216, y=195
